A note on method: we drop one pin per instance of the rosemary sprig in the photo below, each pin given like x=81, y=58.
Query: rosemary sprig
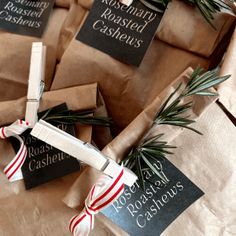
x=207, y=7
x=142, y=157
x=172, y=112
x=71, y=117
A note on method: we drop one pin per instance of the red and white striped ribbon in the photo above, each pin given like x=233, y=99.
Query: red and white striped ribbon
x=13, y=169
x=102, y=194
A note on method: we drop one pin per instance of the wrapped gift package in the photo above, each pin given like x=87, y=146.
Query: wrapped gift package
x=16, y=60
x=205, y=166
x=129, y=81
x=44, y=202
x=161, y=113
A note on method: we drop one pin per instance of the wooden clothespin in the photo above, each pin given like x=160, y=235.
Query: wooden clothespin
x=83, y=151
x=36, y=82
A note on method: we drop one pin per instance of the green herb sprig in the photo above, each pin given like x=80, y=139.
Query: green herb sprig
x=172, y=112
x=72, y=117
x=207, y=7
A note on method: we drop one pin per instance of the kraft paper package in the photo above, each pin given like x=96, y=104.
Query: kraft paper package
x=203, y=159
x=122, y=84
x=227, y=90
x=192, y=32
x=121, y=145
x=15, y=61
x=40, y=211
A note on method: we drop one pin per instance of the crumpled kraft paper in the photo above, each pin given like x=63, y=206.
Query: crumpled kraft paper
x=122, y=144
x=208, y=160
x=40, y=211
x=15, y=57
x=184, y=27
x=127, y=90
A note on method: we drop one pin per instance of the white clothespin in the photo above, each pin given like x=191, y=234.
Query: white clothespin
x=126, y=2
x=36, y=82
x=84, y=152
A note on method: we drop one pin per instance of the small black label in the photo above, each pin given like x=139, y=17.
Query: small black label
x=150, y=211
x=123, y=32
x=26, y=17
x=44, y=162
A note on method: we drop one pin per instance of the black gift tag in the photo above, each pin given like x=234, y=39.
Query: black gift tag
x=123, y=32
x=150, y=211
x=44, y=162
x=26, y=17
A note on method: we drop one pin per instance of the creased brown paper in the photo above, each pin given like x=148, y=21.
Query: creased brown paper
x=40, y=210
x=208, y=160
x=184, y=26
x=126, y=89
x=15, y=57
x=122, y=144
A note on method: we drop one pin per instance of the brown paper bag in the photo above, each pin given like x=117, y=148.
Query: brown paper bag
x=184, y=27
x=39, y=211
x=122, y=144
x=227, y=90
x=15, y=57
x=126, y=89
x=201, y=162
x=202, y=39
x=209, y=161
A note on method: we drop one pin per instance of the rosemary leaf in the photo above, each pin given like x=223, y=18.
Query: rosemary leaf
x=172, y=112
x=206, y=7
x=70, y=117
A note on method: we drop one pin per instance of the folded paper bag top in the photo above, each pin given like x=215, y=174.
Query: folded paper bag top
x=83, y=151
x=35, y=209
x=77, y=98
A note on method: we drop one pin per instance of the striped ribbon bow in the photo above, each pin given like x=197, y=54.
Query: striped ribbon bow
x=13, y=169
x=103, y=193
